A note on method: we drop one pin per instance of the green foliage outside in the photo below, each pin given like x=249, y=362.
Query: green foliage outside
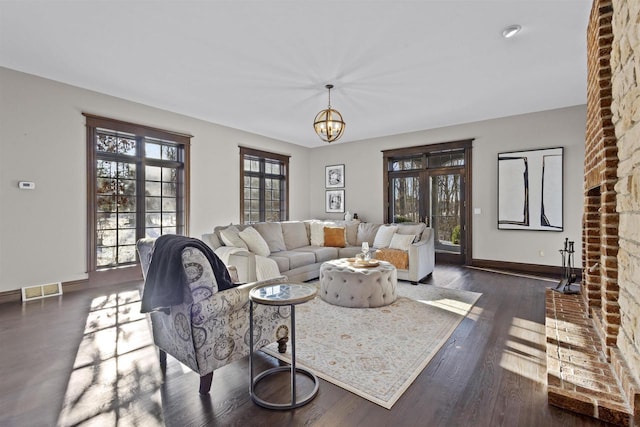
x=455, y=235
x=398, y=219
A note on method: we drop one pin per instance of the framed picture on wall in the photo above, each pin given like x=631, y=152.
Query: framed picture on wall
x=334, y=201
x=334, y=176
x=530, y=190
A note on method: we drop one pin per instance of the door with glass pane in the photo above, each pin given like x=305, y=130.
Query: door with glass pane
x=428, y=184
x=446, y=208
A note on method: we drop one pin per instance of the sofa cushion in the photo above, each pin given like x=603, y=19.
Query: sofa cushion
x=367, y=232
x=294, y=234
x=335, y=237
x=384, y=235
x=271, y=232
x=322, y=253
x=349, y=251
x=254, y=241
x=317, y=233
x=401, y=241
x=281, y=261
x=230, y=237
x=412, y=228
x=295, y=258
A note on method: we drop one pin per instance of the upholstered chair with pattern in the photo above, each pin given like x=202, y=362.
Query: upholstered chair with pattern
x=210, y=328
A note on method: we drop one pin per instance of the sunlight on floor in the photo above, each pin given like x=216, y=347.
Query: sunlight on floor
x=457, y=307
x=525, y=351
x=116, y=378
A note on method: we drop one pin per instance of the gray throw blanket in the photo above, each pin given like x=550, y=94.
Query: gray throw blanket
x=166, y=277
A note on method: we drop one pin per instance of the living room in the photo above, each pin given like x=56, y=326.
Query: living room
x=44, y=140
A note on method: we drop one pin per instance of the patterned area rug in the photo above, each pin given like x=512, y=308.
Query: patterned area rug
x=377, y=353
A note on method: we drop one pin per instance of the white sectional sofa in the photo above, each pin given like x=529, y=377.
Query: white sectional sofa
x=299, y=248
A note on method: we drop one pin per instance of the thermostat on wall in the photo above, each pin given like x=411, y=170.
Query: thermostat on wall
x=27, y=185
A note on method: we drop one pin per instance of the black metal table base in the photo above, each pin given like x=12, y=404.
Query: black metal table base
x=297, y=402
x=294, y=401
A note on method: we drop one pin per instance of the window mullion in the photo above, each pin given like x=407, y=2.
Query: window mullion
x=140, y=190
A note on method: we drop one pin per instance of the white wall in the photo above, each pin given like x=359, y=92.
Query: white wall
x=555, y=128
x=43, y=139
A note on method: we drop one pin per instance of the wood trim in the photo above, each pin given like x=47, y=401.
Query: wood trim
x=468, y=201
x=261, y=153
x=91, y=256
x=141, y=130
x=186, y=180
x=536, y=269
x=419, y=149
x=10, y=296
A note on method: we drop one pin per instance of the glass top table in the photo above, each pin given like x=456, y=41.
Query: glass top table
x=282, y=294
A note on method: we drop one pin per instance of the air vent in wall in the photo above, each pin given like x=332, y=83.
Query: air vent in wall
x=41, y=291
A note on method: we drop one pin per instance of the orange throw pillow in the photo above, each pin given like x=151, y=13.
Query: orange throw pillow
x=334, y=236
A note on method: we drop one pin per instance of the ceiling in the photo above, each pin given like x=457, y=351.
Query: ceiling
x=261, y=66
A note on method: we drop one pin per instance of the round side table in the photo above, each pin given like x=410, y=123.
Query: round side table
x=281, y=294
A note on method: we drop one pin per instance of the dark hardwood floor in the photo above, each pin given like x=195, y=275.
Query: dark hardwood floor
x=87, y=358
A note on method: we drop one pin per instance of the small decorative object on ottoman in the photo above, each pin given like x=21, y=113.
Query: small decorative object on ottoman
x=350, y=284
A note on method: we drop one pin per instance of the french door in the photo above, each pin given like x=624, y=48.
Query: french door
x=430, y=184
x=445, y=206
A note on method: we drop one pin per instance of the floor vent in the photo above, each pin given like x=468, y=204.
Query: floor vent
x=41, y=291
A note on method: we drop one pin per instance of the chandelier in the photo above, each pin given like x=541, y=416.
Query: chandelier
x=328, y=123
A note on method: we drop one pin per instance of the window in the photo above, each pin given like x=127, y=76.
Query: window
x=137, y=181
x=264, y=186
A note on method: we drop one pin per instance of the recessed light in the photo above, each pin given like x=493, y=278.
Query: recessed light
x=511, y=31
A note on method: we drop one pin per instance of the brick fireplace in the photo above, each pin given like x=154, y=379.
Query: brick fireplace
x=595, y=337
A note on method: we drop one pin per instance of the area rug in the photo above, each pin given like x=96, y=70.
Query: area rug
x=377, y=353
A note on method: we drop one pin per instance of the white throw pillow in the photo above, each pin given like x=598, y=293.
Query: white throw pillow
x=415, y=229
x=401, y=241
x=384, y=235
x=230, y=237
x=317, y=233
x=254, y=241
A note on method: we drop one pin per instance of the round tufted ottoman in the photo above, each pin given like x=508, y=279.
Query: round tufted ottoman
x=341, y=283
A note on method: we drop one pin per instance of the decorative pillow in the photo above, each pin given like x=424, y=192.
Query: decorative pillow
x=271, y=232
x=335, y=237
x=384, y=235
x=413, y=228
x=352, y=232
x=367, y=232
x=401, y=241
x=317, y=233
x=295, y=234
x=254, y=241
x=230, y=237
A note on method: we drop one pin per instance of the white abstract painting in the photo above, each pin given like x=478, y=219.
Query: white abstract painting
x=530, y=190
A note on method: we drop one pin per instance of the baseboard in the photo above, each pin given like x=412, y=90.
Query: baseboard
x=10, y=296
x=519, y=267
